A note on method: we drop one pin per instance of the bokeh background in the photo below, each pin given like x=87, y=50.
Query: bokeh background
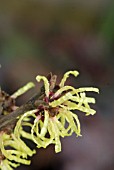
x=42, y=36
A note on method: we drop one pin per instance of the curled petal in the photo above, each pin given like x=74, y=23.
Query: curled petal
x=75, y=125
x=45, y=125
x=74, y=106
x=61, y=100
x=18, y=127
x=83, y=100
x=88, y=89
x=17, y=150
x=64, y=89
x=46, y=84
x=35, y=129
x=38, y=136
x=23, y=90
x=62, y=130
x=8, y=165
x=55, y=131
x=66, y=75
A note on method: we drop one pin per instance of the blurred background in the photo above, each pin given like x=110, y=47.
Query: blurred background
x=42, y=36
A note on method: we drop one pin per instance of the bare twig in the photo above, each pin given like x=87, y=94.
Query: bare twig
x=5, y=120
x=32, y=103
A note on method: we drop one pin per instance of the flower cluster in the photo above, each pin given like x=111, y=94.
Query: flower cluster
x=13, y=150
x=52, y=119
x=56, y=118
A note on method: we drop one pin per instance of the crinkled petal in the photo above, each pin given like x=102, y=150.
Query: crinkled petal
x=61, y=100
x=56, y=136
x=46, y=84
x=66, y=75
x=64, y=89
x=23, y=90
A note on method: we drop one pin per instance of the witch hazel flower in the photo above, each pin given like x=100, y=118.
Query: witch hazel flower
x=56, y=118
x=13, y=151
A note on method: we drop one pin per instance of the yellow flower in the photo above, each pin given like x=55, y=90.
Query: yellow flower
x=57, y=119
x=13, y=149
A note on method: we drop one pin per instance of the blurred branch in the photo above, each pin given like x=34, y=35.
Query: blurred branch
x=35, y=101
x=32, y=103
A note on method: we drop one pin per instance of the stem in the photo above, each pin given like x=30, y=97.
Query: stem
x=33, y=103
